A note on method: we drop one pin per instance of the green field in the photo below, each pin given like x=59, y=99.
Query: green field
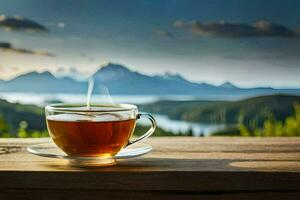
x=252, y=111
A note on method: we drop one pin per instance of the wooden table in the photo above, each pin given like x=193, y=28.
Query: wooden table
x=178, y=168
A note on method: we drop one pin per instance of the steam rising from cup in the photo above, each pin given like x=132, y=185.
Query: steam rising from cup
x=89, y=93
x=103, y=91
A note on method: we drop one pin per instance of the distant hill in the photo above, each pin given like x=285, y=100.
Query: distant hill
x=14, y=113
x=42, y=82
x=121, y=80
x=252, y=112
x=228, y=85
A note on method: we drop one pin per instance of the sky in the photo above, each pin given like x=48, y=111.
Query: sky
x=247, y=42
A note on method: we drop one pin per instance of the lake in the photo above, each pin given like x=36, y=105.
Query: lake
x=42, y=99
x=177, y=126
x=162, y=121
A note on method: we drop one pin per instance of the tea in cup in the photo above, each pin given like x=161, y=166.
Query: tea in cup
x=95, y=131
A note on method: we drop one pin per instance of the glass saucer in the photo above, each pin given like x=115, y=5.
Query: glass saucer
x=50, y=150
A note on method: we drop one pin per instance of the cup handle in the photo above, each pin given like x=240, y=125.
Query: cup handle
x=149, y=132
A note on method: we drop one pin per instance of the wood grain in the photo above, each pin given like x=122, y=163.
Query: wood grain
x=143, y=195
x=183, y=167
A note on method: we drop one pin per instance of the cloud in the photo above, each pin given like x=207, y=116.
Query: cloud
x=7, y=47
x=179, y=24
x=162, y=33
x=71, y=72
x=56, y=24
x=255, y=57
x=61, y=25
x=260, y=28
x=20, y=24
x=91, y=59
x=262, y=56
x=8, y=69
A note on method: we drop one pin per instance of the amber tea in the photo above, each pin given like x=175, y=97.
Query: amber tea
x=81, y=135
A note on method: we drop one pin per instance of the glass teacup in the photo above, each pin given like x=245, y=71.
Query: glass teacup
x=99, y=131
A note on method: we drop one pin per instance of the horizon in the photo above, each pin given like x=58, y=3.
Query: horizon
x=86, y=78
x=247, y=43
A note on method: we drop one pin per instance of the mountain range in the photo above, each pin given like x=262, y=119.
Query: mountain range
x=121, y=80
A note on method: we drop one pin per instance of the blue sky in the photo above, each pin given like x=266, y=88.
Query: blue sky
x=247, y=42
